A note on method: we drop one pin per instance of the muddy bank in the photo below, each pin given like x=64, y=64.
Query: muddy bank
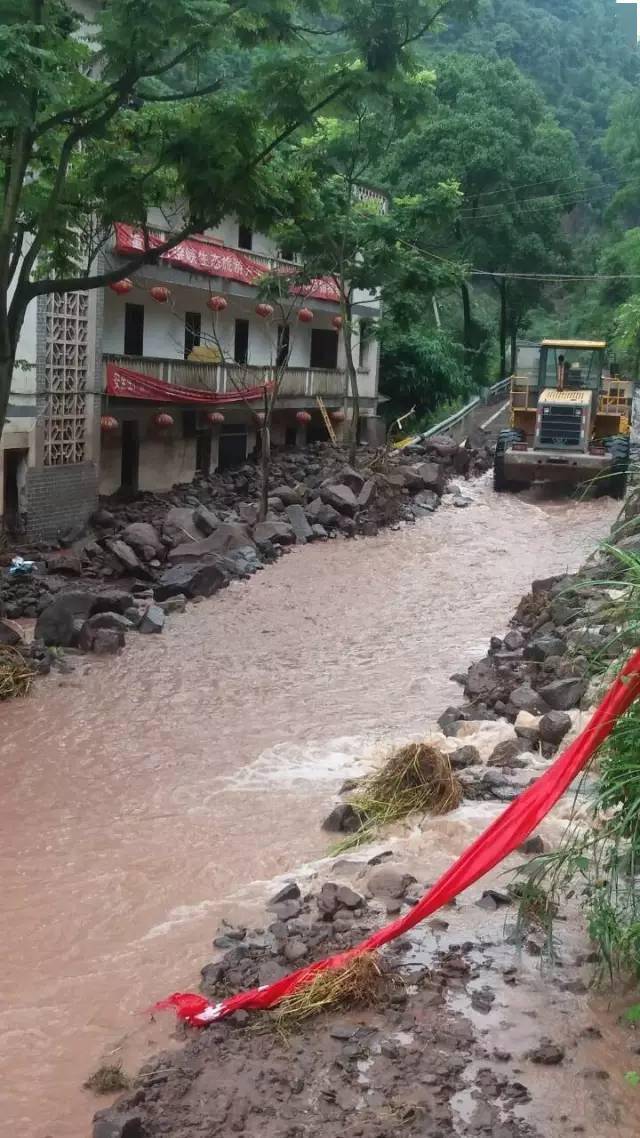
x=473, y=1035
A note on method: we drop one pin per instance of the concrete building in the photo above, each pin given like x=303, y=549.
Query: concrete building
x=138, y=389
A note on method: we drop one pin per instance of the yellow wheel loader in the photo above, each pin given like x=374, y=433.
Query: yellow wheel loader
x=570, y=420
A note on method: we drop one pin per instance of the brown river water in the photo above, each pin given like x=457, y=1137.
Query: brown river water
x=144, y=798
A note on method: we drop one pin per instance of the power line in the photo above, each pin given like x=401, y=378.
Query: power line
x=577, y=195
x=545, y=277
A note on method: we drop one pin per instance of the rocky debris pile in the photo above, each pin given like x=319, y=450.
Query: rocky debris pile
x=542, y=667
x=148, y=557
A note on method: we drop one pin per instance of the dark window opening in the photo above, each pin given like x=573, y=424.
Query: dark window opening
x=189, y=424
x=245, y=237
x=232, y=446
x=130, y=456
x=324, y=348
x=241, y=345
x=203, y=452
x=290, y=436
x=133, y=329
x=284, y=345
x=15, y=483
x=192, y=330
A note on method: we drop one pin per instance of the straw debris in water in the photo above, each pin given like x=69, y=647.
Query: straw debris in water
x=15, y=674
x=360, y=984
x=416, y=778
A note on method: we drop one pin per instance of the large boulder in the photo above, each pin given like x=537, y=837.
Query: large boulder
x=341, y=497
x=432, y=475
x=229, y=536
x=322, y=513
x=524, y=698
x=287, y=495
x=563, y=694
x=441, y=445
x=278, y=533
x=351, y=478
x=413, y=479
x=107, y=642
x=543, y=646
x=179, y=526
x=205, y=520
x=125, y=554
x=554, y=726
x=57, y=623
x=299, y=524
x=112, y=600
x=366, y=495
x=10, y=634
x=142, y=537
x=482, y=678
x=114, y=620
x=152, y=621
x=192, y=579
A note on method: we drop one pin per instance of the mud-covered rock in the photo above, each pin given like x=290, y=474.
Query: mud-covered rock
x=554, y=726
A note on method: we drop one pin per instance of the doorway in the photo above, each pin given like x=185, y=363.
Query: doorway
x=203, y=452
x=232, y=449
x=14, y=495
x=130, y=456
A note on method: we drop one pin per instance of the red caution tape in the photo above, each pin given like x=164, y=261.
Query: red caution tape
x=501, y=838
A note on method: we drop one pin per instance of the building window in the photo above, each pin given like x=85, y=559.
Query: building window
x=192, y=329
x=284, y=345
x=133, y=329
x=324, y=348
x=245, y=237
x=364, y=348
x=241, y=344
x=189, y=423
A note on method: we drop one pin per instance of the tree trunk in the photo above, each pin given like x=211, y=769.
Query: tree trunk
x=514, y=349
x=503, y=329
x=352, y=373
x=467, y=334
x=265, y=455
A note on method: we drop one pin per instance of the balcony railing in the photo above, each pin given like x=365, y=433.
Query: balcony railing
x=297, y=381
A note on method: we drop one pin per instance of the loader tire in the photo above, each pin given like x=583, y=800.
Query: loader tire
x=619, y=447
x=501, y=484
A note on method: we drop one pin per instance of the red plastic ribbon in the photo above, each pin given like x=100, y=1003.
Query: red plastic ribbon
x=501, y=838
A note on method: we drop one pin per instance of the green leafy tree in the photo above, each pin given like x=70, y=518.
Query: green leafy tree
x=161, y=101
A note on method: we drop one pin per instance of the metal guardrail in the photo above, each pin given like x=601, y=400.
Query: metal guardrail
x=486, y=397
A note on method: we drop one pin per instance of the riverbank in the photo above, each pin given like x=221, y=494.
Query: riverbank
x=127, y=785
x=468, y=985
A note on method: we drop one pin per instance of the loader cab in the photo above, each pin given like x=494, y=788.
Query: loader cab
x=571, y=365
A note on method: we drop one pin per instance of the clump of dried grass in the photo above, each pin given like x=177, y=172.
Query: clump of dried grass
x=417, y=778
x=360, y=984
x=107, y=1080
x=15, y=674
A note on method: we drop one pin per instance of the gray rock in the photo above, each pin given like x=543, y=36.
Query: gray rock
x=227, y=537
x=532, y=847
x=367, y=494
x=322, y=513
x=152, y=621
x=205, y=520
x=107, y=641
x=548, y=1054
x=114, y=620
x=482, y=678
x=125, y=554
x=174, y=604
x=318, y=533
x=299, y=524
x=277, y=533
x=514, y=640
x=295, y=949
x=427, y=500
x=286, y=910
x=113, y=600
x=111, y=1123
x=388, y=882
x=467, y=756
x=142, y=536
x=196, y=579
x=249, y=513
x=542, y=647
x=461, y=503
x=433, y=476
x=10, y=634
x=179, y=526
x=341, y=498
x=343, y=819
x=351, y=478
x=507, y=753
x=527, y=726
x=290, y=892
x=554, y=726
x=287, y=495
x=492, y=899
x=524, y=698
x=563, y=694
x=56, y=625
x=347, y=898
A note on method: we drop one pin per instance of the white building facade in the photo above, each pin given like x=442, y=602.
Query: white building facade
x=141, y=385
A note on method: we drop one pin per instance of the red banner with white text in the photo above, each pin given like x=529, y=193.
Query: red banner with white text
x=127, y=384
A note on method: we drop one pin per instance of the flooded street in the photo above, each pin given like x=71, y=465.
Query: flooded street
x=145, y=797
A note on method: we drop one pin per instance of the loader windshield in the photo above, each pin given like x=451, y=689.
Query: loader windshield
x=572, y=368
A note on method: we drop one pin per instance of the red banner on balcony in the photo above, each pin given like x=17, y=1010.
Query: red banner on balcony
x=214, y=261
x=128, y=384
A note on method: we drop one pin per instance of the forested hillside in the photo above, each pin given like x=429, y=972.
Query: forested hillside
x=534, y=114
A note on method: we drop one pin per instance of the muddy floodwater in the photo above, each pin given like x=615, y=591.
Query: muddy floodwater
x=144, y=798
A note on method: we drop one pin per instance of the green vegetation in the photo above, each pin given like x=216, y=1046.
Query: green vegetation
x=108, y=1080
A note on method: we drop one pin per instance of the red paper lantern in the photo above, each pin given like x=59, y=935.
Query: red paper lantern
x=160, y=293
x=163, y=420
x=337, y=323
x=217, y=303
x=338, y=416
x=108, y=423
x=303, y=416
x=264, y=310
x=215, y=417
x=305, y=316
x=121, y=287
